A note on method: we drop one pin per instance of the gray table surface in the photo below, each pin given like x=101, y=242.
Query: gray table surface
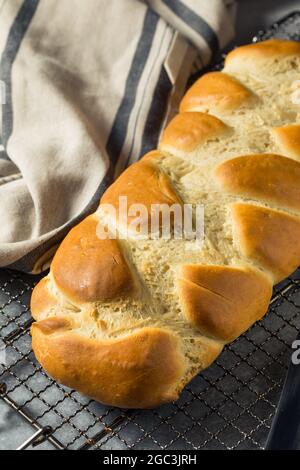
x=252, y=15
x=260, y=14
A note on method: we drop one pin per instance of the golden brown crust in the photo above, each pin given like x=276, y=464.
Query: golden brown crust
x=272, y=238
x=268, y=177
x=154, y=156
x=52, y=325
x=255, y=56
x=189, y=130
x=216, y=91
x=142, y=183
x=288, y=140
x=265, y=49
x=223, y=301
x=88, y=269
x=141, y=370
x=41, y=299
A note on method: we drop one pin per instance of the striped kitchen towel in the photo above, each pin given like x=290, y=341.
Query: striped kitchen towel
x=86, y=87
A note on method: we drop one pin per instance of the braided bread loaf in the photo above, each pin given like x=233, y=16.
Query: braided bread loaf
x=129, y=322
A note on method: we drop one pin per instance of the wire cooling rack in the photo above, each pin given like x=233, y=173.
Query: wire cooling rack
x=228, y=406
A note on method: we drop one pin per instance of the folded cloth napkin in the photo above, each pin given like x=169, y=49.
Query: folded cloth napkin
x=86, y=88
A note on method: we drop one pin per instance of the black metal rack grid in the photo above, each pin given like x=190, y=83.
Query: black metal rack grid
x=230, y=405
